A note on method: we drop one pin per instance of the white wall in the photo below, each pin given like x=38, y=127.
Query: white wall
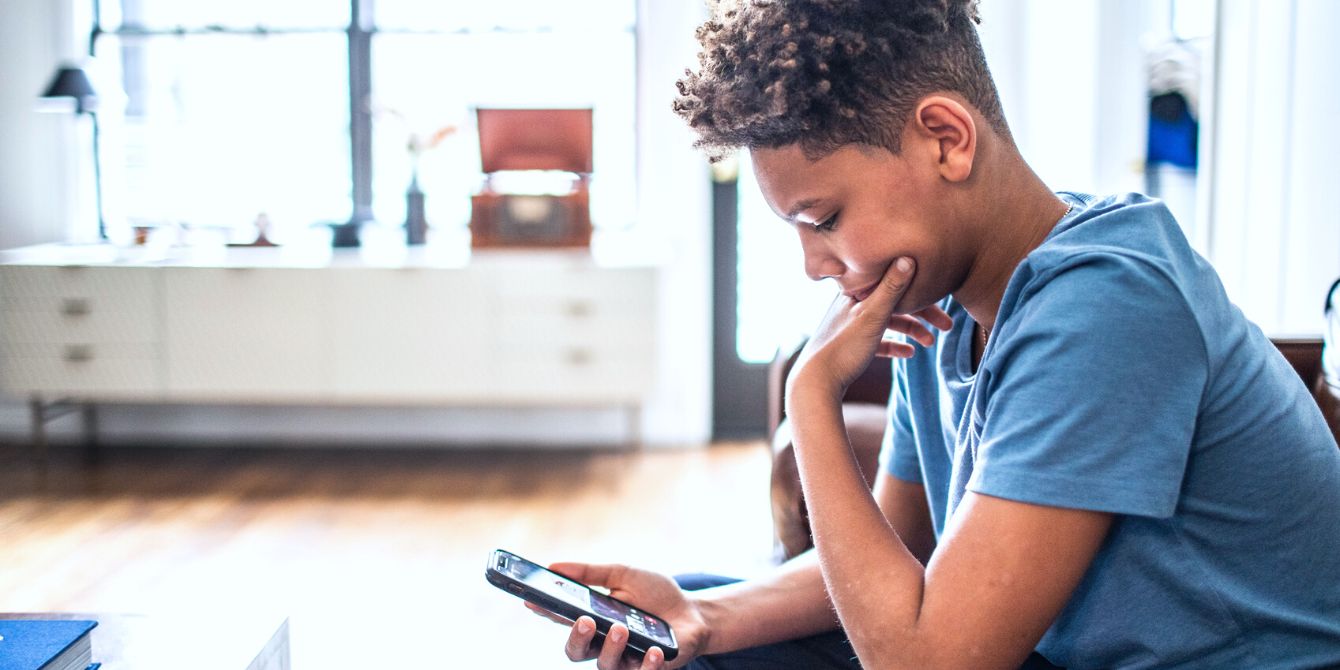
x=37, y=167
x=1272, y=153
x=1072, y=81
x=40, y=180
x=674, y=203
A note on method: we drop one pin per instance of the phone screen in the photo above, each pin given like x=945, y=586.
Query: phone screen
x=580, y=595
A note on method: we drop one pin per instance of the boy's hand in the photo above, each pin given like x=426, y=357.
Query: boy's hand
x=852, y=332
x=650, y=591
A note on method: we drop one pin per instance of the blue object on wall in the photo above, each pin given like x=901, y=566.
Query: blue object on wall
x=1173, y=132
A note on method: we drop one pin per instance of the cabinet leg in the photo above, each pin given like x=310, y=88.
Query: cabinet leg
x=38, y=411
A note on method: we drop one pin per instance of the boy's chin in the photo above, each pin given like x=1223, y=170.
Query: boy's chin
x=911, y=303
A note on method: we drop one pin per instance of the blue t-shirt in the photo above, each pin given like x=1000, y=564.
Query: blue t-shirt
x=1120, y=378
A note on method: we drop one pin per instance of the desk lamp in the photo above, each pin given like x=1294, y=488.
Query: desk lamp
x=72, y=82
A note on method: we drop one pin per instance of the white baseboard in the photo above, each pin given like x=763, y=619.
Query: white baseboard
x=270, y=425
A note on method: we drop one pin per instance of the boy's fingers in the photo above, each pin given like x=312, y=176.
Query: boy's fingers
x=936, y=317
x=911, y=327
x=578, y=647
x=897, y=276
x=575, y=571
x=611, y=653
x=891, y=287
x=599, y=575
x=893, y=349
x=654, y=660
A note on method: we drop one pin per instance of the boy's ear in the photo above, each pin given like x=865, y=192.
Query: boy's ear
x=948, y=127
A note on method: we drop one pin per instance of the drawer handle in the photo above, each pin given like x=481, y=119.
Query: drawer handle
x=75, y=307
x=579, y=310
x=579, y=357
x=78, y=353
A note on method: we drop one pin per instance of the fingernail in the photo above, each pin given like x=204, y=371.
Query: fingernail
x=904, y=264
x=583, y=628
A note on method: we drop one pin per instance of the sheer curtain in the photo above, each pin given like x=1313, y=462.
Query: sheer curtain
x=1272, y=144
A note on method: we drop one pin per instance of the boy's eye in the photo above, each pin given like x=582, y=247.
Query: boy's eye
x=827, y=224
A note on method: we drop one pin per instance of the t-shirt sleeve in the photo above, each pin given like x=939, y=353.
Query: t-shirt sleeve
x=1092, y=395
x=899, y=453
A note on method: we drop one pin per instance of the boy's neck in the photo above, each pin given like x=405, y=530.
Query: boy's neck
x=1011, y=225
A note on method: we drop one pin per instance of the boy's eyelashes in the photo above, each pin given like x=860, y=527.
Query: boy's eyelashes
x=827, y=224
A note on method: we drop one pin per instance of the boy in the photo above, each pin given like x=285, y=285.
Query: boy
x=1100, y=460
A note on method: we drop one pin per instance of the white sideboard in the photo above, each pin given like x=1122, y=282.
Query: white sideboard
x=262, y=326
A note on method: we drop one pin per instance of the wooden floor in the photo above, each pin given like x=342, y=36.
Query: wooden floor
x=376, y=556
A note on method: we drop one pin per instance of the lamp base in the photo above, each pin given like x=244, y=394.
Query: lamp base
x=416, y=222
x=345, y=235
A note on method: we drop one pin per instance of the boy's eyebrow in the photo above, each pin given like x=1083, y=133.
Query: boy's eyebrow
x=798, y=208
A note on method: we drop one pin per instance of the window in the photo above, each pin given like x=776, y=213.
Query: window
x=227, y=111
x=777, y=301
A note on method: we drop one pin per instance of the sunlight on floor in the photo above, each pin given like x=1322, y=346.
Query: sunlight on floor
x=376, y=559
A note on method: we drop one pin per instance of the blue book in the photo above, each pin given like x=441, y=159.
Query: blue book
x=45, y=645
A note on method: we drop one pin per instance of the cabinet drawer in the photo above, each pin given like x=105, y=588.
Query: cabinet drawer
x=75, y=281
x=79, y=351
x=576, y=376
x=535, y=333
x=89, y=369
x=603, y=302
x=607, y=291
x=85, y=319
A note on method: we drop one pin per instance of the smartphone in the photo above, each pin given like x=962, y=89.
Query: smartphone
x=570, y=599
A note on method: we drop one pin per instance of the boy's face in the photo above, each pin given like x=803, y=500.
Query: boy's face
x=886, y=206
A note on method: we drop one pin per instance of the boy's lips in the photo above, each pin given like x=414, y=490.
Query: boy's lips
x=864, y=293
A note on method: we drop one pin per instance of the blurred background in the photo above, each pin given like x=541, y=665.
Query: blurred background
x=366, y=515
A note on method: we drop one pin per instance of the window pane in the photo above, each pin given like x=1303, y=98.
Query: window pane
x=777, y=302
x=423, y=82
x=214, y=130
x=582, y=15
x=1193, y=19
x=231, y=14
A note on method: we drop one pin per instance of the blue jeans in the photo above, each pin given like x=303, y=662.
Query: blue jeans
x=818, y=652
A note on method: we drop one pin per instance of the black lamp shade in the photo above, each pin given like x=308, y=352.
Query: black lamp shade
x=71, y=82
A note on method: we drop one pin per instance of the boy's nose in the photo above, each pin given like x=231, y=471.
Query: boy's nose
x=821, y=266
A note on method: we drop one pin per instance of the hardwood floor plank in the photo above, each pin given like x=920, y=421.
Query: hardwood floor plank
x=376, y=555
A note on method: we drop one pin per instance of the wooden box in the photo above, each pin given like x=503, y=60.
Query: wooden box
x=514, y=140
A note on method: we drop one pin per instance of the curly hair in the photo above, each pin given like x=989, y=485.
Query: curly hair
x=826, y=73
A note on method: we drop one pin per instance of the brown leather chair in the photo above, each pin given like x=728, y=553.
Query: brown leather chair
x=1327, y=389
x=1306, y=357
x=865, y=408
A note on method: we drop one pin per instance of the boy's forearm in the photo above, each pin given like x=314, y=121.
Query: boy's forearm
x=787, y=604
x=876, y=580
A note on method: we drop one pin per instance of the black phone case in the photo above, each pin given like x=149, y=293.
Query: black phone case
x=637, y=643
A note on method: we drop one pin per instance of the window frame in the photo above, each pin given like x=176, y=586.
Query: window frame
x=359, y=33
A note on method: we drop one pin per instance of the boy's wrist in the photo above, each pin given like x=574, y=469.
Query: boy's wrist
x=808, y=394
x=713, y=615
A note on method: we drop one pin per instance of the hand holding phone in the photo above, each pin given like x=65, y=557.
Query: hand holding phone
x=570, y=600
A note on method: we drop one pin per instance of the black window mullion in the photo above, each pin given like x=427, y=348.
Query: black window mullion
x=360, y=116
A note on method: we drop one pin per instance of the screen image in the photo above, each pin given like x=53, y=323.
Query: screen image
x=579, y=595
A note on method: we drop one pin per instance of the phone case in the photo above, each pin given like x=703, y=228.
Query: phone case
x=637, y=642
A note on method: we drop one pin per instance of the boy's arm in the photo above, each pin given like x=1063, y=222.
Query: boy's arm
x=1001, y=574
x=789, y=603
x=792, y=602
